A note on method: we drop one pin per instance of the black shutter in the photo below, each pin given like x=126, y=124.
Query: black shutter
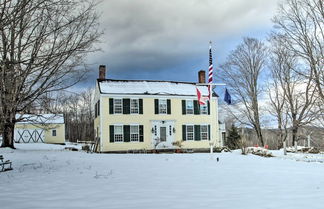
x=156, y=106
x=126, y=106
x=140, y=102
x=208, y=107
x=111, y=130
x=98, y=109
x=126, y=133
x=183, y=107
x=196, y=107
x=111, y=106
x=141, y=133
x=169, y=106
x=197, y=132
x=184, y=131
x=208, y=132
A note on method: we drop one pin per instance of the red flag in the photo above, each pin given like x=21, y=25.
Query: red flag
x=201, y=99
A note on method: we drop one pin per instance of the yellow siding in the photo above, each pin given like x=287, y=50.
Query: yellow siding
x=48, y=138
x=146, y=118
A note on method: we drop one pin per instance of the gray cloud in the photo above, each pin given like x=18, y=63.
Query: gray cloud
x=153, y=39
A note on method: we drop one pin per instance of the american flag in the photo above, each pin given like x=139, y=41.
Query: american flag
x=210, y=71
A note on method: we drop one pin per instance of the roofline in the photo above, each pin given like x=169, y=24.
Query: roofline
x=185, y=82
x=176, y=82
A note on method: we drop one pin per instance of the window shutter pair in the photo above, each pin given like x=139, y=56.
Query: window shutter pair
x=126, y=106
x=156, y=106
x=126, y=134
x=196, y=107
x=197, y=132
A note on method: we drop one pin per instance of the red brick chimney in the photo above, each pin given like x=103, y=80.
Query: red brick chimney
x=202, y=76
x=102, y=72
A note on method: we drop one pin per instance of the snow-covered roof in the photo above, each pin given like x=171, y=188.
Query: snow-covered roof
x=147, y=87
x=40, y=118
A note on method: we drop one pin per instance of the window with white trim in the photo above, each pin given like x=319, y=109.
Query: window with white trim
x=134, y=106
x=53, y=132
x=190, y=132
x=189, y=107
x=118, y=106
x=204, y=132
x=134, y=133
x=162, y=106
x=204, y=109
x=118, y=133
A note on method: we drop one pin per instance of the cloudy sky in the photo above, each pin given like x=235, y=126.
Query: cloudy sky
x=169, y=40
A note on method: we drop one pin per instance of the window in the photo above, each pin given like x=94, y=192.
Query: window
x=134, y=107
x=162, y=106
x=204, y=109
x=54, y=132
x=134, y=133
x=118, y=106
x=190, y=132
x=204, y=132
x=189, y=107
x=118, y=133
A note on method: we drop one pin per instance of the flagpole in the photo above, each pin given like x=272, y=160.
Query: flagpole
x=210, y=82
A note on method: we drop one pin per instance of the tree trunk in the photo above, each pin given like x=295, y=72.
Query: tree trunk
x=8, y=135
x=285, y=147
x=8, y=126
x=294, y=135
x=259, y=135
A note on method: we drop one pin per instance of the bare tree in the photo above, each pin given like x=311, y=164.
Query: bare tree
x=43, y=45
x=294, y=94
x=78, y=114
x=301, y=23
x=242, y=72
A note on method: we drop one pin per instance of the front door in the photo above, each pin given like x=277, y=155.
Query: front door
x=162, y=134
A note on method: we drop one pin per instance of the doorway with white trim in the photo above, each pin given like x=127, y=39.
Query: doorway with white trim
x=163, y=134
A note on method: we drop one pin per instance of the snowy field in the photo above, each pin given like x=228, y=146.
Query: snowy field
x=46, y=176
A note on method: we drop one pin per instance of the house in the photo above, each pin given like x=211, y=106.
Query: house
x=148, y=115
x=41, y=128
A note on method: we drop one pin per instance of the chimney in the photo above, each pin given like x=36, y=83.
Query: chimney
x=102, y=72
x=201, y=76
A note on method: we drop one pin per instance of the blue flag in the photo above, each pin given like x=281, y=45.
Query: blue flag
x=227, y=97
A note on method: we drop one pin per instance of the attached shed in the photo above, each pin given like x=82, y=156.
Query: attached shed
x=42, y=128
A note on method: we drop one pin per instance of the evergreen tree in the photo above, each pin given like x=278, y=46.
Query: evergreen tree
x=232, y=140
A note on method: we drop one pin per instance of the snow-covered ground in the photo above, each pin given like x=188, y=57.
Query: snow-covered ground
x=47, y=176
